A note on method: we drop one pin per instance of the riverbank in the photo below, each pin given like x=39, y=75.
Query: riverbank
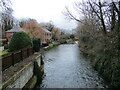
x=18, y=75
x=107, y=65
x=51, y=45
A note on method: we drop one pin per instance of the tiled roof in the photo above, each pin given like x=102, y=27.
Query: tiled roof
x=46, y=30
x=15, y=30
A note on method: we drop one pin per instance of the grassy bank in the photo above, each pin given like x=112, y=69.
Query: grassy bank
x=51, y=45
x=107, y=64
x=3, y=52
x=109, y=68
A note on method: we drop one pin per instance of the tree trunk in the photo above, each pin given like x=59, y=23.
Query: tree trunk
x=102, y=19
x=113, y=18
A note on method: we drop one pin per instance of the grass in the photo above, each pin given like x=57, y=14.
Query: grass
x=53, y=44
x=50, y=45
x=3, y=52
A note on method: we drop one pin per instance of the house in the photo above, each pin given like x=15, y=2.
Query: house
x=10, y=32
x=46, y=37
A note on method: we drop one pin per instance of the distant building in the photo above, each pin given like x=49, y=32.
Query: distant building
x=46, y=37
x=10, y=32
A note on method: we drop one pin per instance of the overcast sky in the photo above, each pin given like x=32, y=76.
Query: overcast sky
x=44, y=11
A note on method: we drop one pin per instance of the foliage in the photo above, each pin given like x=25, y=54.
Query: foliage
x=22, y=22
x=53, y=44
x=56, y=43
x=72, y=36
x=56, y=33
x=36, y=44
x=50, y=45
x=99, y=37
x=3, y=52
x=33, y=29
x=19, y=41
x=63, y=41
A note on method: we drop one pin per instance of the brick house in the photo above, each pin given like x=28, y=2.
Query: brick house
x=46, y=37
x=10, y=32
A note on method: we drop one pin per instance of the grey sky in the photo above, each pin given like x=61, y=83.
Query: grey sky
x=44, y=11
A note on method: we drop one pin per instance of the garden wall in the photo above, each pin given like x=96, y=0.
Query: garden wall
x=19, y=79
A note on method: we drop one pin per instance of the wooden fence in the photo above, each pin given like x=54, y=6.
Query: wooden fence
x=15, y=57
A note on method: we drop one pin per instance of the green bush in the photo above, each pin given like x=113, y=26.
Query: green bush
x=63, y=41
x=3, y=52
x=50, y=45
x=56, y=43
x=19, y=41
x=36, y=44
x=53, y=44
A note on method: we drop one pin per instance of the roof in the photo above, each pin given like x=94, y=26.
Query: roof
x=15, y=30
x=46, y=30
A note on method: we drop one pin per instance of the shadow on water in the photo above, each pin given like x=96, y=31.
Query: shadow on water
x=66, y=67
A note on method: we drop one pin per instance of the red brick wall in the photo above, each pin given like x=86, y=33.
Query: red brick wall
x=8, y=35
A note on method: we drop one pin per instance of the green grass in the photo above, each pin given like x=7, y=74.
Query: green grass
x=50, y=45
x=3, y=52
x=56, y=43
x=53, y=44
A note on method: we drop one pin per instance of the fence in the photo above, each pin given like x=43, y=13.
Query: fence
x=15, y=57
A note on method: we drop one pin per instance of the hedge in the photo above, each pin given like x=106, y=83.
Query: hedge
x=19, y=41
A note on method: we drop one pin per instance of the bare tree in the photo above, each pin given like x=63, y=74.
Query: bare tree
x=7, y=19
x=92, y=9
x=5, y=4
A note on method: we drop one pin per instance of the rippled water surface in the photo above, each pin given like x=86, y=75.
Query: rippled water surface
x=66, y=67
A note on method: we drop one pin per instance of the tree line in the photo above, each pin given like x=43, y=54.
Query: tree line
x=99, y=35
x=31, y=26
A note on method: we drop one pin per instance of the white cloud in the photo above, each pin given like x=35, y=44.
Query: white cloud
x=44, y=11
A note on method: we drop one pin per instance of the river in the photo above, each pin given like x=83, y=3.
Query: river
x=66, y=67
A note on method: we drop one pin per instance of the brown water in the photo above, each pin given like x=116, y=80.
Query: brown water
x=66, y=67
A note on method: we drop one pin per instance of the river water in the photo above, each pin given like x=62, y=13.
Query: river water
x=66, y=67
